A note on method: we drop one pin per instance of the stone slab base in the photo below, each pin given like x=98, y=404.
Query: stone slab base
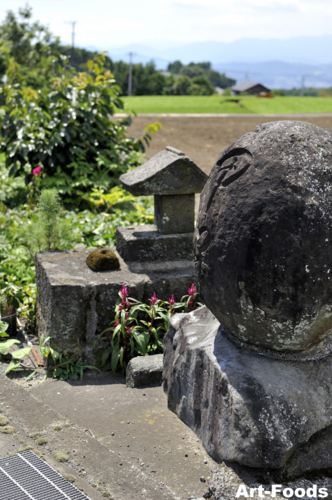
x=144, y=243
x=75, y=304
x=144, y=371
x=246, y=407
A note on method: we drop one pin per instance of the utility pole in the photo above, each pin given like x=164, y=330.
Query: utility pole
x=302, y=85
x=73, y=23
x=130, y=75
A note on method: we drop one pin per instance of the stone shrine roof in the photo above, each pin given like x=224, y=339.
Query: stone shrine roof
x=170, y=172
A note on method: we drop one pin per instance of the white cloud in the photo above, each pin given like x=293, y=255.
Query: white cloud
x=105, y=23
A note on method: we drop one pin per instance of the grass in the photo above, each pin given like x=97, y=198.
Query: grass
x=219, y=105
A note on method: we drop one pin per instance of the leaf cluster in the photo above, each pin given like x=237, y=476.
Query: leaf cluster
x=68, y=129
x=139, y=328
x=196, y=71
x=47, y=231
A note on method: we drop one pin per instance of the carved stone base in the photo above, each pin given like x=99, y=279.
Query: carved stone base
x=247, y=407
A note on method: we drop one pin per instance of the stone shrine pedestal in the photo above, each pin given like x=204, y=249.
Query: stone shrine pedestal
x=246, y=406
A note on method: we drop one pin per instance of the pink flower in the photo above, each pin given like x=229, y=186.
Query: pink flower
x=153, y=299
x=116, y=322
x=171, y=300
x=192, y=290
x=37, y=171
x=124, y=291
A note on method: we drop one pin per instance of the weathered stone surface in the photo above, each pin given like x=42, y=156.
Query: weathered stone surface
x=145, y=243
x=264, y=232
x=169, y=172
x=175, y=214
x=144, y=370
x=75, y=303
x=246, y=407
x=102, y=259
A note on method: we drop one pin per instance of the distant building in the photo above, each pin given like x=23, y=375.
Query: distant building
x=251, y=88
x=219, y=90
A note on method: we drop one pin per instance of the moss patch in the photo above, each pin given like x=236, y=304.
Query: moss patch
x=35, y=435
x=69, y=477
x=41, y=441
x=100, y=488
x=3, y=420
x=22, y=441
x=57, y=428
x=8, y=429
x=60, y=456
x=102, y=260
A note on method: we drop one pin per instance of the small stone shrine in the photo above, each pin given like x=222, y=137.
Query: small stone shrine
x=77, y=290
x=173, y=179
x=250, y=372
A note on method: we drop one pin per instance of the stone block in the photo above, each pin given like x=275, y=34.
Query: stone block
x=167, y=173
x=144, y=371
x=175, y=213
x=145, y=243
x=265, y=410
x=75, y=304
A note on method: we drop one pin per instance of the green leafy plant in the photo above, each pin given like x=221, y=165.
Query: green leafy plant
x=67, y=131
x=47, y=231
x=5, y=345
x=62, y=364
x=138, y=328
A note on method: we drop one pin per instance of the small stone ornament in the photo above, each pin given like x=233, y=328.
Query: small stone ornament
x=102, y=259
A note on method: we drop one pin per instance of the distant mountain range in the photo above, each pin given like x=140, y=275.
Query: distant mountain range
x=275, y=63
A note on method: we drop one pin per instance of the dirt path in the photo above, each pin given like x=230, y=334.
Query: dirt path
x=203, y=138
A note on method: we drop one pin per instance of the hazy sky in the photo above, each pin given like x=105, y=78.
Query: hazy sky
x=167, y=23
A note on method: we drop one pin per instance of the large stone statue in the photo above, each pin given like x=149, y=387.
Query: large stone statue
x=263, y=247
x=251, y=371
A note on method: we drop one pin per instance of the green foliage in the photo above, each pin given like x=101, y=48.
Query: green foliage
x=47, y=231
x=5, y=345
x=138, y=328
x=63, y=365
x=201, y=86
x=180, y=86
x=146, y=80
x=227, y=92
x=26, y=229
x=68, y=130
x=175, y=67
x=28, y=44
x=193, y=70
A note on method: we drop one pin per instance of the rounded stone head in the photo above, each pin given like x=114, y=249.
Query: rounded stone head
x=263, y=237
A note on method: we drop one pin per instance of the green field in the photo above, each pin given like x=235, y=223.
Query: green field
x=217, y=104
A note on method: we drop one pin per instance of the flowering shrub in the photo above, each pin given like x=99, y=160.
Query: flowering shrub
x=66, y=131
x=138, y=329
x=37, y=171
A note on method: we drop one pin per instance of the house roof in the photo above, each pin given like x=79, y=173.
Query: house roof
x=245, y=86
x=168, y=172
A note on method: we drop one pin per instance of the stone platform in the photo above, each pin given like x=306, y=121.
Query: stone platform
x=246, y=406
x=75, y=304
x=145, y=243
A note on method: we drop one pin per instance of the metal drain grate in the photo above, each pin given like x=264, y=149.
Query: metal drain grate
x=25, y=476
